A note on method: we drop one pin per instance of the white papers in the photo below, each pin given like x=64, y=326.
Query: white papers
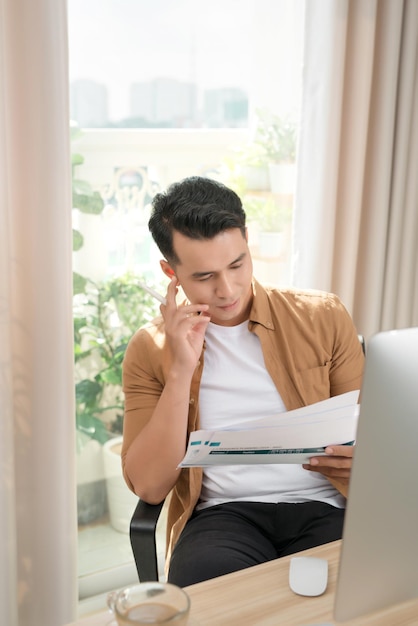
x=291, y=437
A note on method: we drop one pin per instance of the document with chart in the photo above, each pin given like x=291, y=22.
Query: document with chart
x=290, y=437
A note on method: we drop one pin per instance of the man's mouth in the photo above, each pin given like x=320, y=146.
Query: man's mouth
x=228, y=307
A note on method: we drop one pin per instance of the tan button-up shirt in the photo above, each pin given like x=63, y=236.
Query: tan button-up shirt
x=311, y=351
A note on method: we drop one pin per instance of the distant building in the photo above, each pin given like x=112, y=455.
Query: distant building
x=165, y=101
x=89, y=104
x=225, y=107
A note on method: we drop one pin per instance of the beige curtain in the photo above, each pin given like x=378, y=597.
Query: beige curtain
x=356, y=222
x=38, y=522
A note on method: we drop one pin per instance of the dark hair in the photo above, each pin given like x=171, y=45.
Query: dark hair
x=196, y=207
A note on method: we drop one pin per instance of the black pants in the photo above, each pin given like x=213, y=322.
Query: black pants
x=236, y=535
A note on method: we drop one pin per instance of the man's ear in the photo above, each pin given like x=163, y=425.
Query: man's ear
x=167, y=269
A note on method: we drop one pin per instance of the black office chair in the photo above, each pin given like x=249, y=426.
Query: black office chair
x=142, y=531
x=143, y=540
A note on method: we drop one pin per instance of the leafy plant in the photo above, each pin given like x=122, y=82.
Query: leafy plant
x=106, y=316
x=269, y=213
x=86, y=200
x=252, y=154
x=274, y=138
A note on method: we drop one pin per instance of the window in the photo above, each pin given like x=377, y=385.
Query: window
x=162, y=90
x=160, y=64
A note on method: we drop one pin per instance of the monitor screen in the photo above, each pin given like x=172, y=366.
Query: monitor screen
x=379, y=558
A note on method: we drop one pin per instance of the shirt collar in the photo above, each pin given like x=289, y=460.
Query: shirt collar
x=260, y=310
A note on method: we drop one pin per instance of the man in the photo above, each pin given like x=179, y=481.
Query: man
x=233, y=351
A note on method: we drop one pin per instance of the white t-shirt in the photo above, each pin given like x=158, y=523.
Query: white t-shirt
x=236, y=387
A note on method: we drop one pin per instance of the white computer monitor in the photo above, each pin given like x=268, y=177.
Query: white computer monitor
x=379, y=558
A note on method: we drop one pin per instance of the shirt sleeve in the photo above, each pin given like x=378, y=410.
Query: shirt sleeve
x=142, y=386
x=347, y=363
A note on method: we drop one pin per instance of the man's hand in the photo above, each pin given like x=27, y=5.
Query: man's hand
x=185, y=328
x=336, y=466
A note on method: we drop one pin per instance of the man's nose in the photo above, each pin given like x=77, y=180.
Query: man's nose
x=223, y=287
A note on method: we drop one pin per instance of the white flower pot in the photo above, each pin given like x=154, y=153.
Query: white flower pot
x=256, y=178
x=270, y=244
x=121, y=500
x=282, y=177
x=91, y=486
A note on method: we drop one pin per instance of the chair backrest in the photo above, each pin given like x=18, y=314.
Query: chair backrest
x=143, y=541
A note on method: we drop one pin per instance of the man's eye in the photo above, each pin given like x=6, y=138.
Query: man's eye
x=236, y=267
x=201, y=280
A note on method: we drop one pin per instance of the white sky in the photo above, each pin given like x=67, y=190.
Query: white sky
x=119, y=42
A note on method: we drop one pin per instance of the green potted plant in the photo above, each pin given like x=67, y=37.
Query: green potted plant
x=86, y=200
x=106, y=315
x=268, y=213
x=267, y=162
x=251, y=165
x=269, y=216
x=275, y=138
x=90, y=432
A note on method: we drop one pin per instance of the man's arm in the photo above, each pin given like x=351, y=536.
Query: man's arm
x=345, y=374
x=154, y=446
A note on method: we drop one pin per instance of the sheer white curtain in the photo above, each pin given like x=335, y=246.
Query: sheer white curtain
x=38, y=522
x=356, y=217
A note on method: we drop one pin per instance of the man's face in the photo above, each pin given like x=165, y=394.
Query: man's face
x=217, y=272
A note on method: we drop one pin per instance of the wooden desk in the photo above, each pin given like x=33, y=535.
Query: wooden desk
x=260, y=596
